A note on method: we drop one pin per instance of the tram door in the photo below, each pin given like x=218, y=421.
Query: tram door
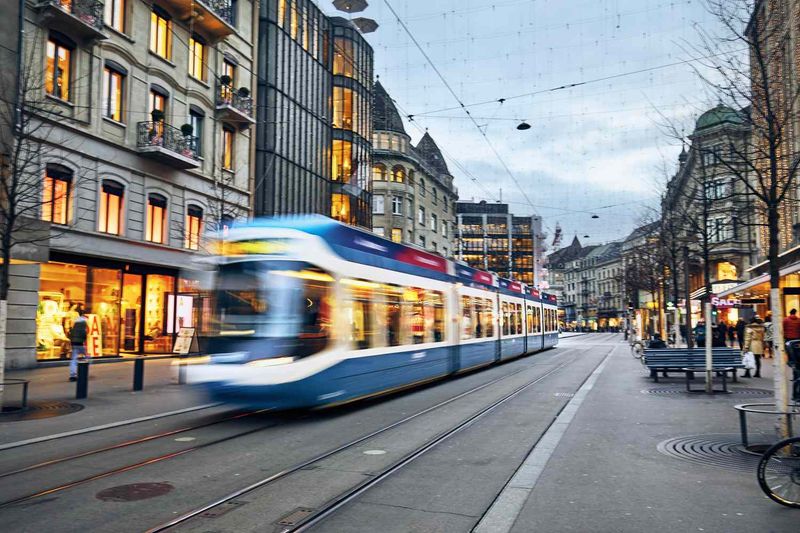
x=498, y=327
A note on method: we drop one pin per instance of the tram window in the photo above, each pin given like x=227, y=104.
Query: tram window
x=392, y=314
x=505, y=318
x=365, y=319
x=529, y=318
x=537, y=320
x=434, y=316
x=467, y=328
x=488, y=326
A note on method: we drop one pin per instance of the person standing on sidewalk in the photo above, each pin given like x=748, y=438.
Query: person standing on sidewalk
x=768, y=336
x=77, y=337
x=754, y=342
x=791, y=326
x=722, y=332
x=740, y=324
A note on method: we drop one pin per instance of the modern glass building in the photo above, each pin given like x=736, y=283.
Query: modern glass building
x=312, y=138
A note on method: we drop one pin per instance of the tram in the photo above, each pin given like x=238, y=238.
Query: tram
x=312, y=312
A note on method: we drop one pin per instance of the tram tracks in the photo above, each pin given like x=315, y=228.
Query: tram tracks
x=316, y=515
x=167, y=456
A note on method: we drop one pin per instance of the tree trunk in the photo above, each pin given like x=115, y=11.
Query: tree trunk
x=776, y=306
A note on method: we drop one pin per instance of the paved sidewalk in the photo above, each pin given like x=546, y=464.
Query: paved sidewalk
x=616, y=469
x=110, y=397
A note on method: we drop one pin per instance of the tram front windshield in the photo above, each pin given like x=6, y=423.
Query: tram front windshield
x=279, y=300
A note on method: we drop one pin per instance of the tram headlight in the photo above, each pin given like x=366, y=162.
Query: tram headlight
x=273, y=361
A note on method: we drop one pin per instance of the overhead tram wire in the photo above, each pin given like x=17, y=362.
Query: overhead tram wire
x=572, y=85
x=461, y=104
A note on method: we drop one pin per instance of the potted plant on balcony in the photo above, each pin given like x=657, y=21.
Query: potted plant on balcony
x=156, y=127
x=225, y=80
x=186, y=149
x=244, y=92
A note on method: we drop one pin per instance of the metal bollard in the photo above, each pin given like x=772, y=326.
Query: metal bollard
x=138, y=374
x=82, y=385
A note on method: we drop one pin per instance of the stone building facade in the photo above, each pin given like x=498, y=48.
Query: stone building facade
x=413, y=195
x=144, y=146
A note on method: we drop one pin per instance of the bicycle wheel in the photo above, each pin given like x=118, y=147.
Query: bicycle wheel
x=779, y=472
x=637, y=349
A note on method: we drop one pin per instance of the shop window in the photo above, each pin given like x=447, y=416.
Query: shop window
x=343, y=57
x=113, y=83
x=114, y=16
x=194, y=224
x=340, y=208
x=397, y=235
x=342, y=160
x=156, y=218
x=227, y=148
x=160, y=33
x=197, y=57
x=344, y=114
x=62, y=289
x=58, y=72
x=110, y=214
x=57, y=196
x=158, y=290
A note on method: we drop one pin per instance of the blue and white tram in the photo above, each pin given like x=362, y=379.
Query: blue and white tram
x=310, y=312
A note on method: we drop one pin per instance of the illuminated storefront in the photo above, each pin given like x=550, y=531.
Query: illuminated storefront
x=137, y=309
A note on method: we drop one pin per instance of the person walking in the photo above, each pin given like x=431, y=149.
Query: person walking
x=722, y=331
x=768, y=336
x=731, y=332
x=754, y=342
x=77, y=337
x=791, y=326
x=740, y=325
x=700, y=333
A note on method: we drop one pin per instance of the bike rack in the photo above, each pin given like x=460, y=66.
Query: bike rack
x=755, y=408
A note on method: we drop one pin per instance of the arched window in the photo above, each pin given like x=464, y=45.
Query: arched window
x=379, y=172
x=435, y=195
x=109, y=217
x=155, y=231
x=421, y=187
x=398, y=174
x=194, y=227
x=57, y=195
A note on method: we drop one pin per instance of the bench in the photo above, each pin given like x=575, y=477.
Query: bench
x=677, y=359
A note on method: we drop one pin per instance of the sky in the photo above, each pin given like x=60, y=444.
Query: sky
x=596, y=149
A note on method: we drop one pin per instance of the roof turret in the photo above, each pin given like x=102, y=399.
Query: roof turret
x=721, y=114
x=384, y=113
x=427, y=150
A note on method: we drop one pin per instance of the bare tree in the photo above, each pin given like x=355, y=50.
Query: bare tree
x=27, y=125
x=767, y=166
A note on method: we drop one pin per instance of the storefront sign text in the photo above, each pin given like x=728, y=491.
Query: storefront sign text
x=724, y=303
x=94, y=336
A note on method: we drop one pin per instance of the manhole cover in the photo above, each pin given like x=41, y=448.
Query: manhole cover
x=733, y=391
x=41, y=409
x=134, y=492
x=724, y=451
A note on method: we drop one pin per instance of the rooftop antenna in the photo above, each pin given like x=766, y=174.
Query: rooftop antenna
x=501, y=196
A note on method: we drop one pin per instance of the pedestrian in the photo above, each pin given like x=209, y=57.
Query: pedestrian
x=740, y=325
x=768, y=332
x=754, y=342
x=77, y=337
x=657, y=343
x=722, y=331
x=718, y=337
x=700, y=333
x=731, y=332
x=682, y=328
x=791, y=326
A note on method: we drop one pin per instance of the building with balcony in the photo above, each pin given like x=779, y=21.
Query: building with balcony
x=592, y=285
x=491, y=238
x=313, y=136
x=413, y=197
x=142, y=124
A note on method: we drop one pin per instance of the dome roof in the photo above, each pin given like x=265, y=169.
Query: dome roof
x=428, y=151
x=721, y=114
x=384, y=113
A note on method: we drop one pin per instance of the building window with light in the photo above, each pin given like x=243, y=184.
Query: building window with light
x=57, y=196
x=194, y=227
x=110, y=215
x=113, y=85
x=397, y=205
x=340, y=208
x=58, y=72
x=343, y=57
x=114, y=15
x=379, y=172
x=156, y=219
x=398, y=174
x=160, y=33
x=342, y=160
x=197, y=57
x=397, y=235
x=282, y=13
x=344, y=115
x=227, y=148
x=377, y=204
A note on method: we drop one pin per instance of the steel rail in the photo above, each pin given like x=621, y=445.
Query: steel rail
x=304, y=464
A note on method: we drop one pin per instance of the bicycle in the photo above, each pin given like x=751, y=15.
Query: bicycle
x=779, y=467
x=637, y=348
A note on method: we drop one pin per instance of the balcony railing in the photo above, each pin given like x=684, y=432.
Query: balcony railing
x=214, y=18
x=82, y=18
x=167, y=144
x=234, y=105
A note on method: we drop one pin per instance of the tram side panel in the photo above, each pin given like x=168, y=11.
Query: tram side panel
x=551, y=326
x=512, y=342
x=533, y=326
x=478, y=332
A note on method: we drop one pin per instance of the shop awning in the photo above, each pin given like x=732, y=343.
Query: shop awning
x=758, y=280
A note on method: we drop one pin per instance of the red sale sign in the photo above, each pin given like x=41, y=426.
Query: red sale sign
x=94, y=336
